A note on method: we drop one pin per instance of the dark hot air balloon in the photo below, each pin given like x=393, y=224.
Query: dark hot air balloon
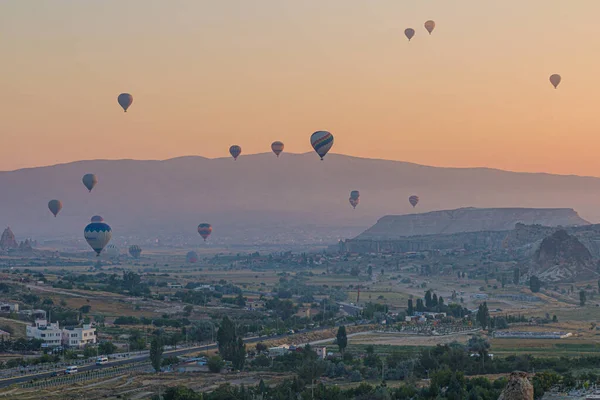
x=409, y=32
x=355, y=194
x=277, y=148
x=135, y=251
x=235, y=151
x=125, y=100
x=321, y=141
x=555, y=80
x=191, y=257
x=413, y=200
x=89, y=181
x=55, y=206
x=353, y=202
x=97, y=234
x=204, y=230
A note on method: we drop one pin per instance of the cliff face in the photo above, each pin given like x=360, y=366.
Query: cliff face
x=468, y=220
x=562, y=257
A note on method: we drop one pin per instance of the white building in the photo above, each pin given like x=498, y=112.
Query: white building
x=52, y=335
x=321, y=352
x=49, y=333
x=79, y=337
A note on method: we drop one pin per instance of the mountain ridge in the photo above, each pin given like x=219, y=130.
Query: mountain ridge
x=293, y=198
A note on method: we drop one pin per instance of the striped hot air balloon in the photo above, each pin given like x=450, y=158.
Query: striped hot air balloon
x=413, y=200
x=191, y=257
x=277, y=148
x=135, y=251
x=235, y=151
x=204, y=230
x=97, y=234
x=55, y=206
x=321, y=141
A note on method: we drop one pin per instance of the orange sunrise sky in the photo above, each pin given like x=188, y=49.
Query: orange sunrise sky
x=208, y=74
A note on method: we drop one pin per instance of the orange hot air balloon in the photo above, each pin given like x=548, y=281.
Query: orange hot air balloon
x=430, y=26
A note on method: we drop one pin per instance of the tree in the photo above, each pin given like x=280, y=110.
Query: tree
x=440, y=301
x=420, y=306
x=479, y=345
x=434, y=300
x=342, y=339
x=428, y=299
x=260, y=347
x=354, y=271
x=215, y=364
x=226, y=338
x=554, y=319
x=181, y=393
x=483, y=315
x=516, y=276
x=503, y=281
x=535, y=284
x=106, y=348
x=410, y=310
x=240, y=301
x=370, y=271
x=582, y=298
x=85, y=308
x=156, y=351
x=188, y=309
x=239, y=354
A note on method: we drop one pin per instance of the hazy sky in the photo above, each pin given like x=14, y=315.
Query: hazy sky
x=208, y=74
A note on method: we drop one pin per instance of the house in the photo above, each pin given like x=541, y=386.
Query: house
x=321, y=352
x=9, y=307
x=4, y=335
x=278, y=351
x=79, y=337
x=49, y=333
x=204, y=287
x=52, y=335
x=174, y=285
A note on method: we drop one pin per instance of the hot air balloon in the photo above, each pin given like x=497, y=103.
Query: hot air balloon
x=555, y=80
x=235, y=151
x=89, y=180
x=97, y=234
x=55, y=206
x=353, y=202
x=355, y=194
x=277, y=148
x=112, y=251
x=409, y=32
x=321, y=141
x=430, y=26
x=191, y=257
x=204, y=230
x=413, y=200
x=135, y=251
x=125, y=100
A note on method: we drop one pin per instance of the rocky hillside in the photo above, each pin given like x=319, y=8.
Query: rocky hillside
x=468, y=220
x=517, y=388
x=562, y=257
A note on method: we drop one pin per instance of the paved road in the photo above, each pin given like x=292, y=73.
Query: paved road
x=141, y=358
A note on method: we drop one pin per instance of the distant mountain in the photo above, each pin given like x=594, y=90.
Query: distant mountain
x=469, y=219
x=292, y=199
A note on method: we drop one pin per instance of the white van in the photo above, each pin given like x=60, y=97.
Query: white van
x=71, y=370
x=101, y=360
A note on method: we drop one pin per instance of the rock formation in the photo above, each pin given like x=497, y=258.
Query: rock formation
x=517, y=388
x=8, y=240
x=464, y=220
x=562, y=257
